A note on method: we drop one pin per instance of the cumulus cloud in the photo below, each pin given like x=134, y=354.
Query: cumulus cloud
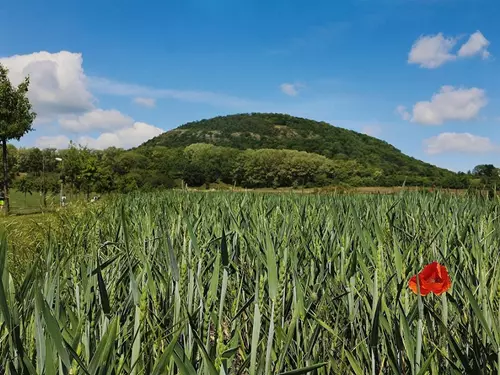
x=402, y=111
x=145, y=102
x=60, y=90
x=449, y=104
x=58, y=84
x=97, y=119
x=459, y=143
x=432, y=51
x=133, y=136
x=476, y=45
x=59, y=142
x=61, y=93
x=128, y=137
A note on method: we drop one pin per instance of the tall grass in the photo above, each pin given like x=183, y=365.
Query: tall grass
x=196, y=283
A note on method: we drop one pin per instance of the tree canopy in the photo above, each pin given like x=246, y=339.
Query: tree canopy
x=279, y=131
x=16, y=119
x=82, y=170
x=194, y=156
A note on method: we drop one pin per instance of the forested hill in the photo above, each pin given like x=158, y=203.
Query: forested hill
x=262, y=130
x=251, y=151
x=279, y=131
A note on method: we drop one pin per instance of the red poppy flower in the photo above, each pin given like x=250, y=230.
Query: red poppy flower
x=433, y=278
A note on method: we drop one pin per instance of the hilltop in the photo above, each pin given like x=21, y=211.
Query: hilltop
x=377, y=159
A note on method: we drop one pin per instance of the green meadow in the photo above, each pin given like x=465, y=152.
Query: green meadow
x=251, y=283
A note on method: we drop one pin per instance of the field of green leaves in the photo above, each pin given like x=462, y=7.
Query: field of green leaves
x=235, y=283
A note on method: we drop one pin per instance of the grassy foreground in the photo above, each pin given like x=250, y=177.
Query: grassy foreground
x=194, y=283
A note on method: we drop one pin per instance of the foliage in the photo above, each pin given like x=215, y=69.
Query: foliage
x=283, y=163
x=206, y=163
x=277, y=168
x=149, y=168
x=217, y=283
x=16, y=119
x=16, y=116
x=279, y=131
x=12, y=158
x=485, y=170
x=25, y=185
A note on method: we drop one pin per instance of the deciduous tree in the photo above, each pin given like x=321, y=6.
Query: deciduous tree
x=16, y=119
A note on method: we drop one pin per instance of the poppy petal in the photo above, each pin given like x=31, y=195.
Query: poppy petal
x=413, y=286
x=433, y=278
x=429, y=271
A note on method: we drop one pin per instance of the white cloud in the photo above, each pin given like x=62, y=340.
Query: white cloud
x=402, y=111
x=105, y=86
x=146, y=102
x=97, y=119
x=58, y=84
x=449, y=104
x=58, y=141
x=460, y=143
x=476, y=45
x=61, y=92
x=133, y=136
x=372, y=130
x=432, y=51
x=290, y=89
x=128, y=137
x=59, y=87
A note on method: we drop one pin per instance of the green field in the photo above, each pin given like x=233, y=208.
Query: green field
x=235, y=283
x=21, y=204
x=31, y=203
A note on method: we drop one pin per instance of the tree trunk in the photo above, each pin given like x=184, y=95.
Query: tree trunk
x=5, y=175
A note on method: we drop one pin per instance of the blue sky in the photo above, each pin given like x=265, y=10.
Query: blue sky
x=420, y=74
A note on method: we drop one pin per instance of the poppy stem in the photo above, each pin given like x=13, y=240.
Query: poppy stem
x=420, y=327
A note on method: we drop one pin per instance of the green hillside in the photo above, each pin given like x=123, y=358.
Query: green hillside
x=249, y=151
x=378, y=159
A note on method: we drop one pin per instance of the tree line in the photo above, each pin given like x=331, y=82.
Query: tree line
x=385, y=163
x=83, y=170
